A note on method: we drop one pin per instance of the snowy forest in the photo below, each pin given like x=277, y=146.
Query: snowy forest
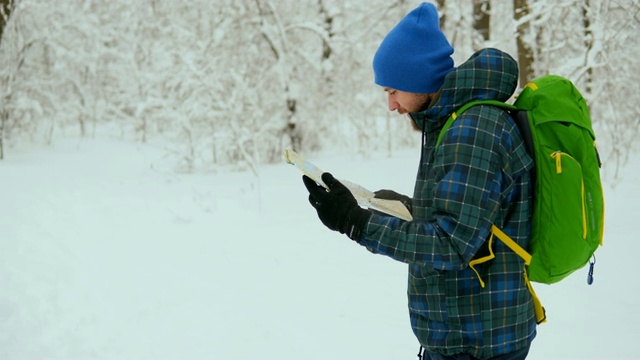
x=229, y=84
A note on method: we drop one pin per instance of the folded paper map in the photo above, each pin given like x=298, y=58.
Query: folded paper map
x=364, y=197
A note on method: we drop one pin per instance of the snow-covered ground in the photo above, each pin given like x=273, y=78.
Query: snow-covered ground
x=107, y=254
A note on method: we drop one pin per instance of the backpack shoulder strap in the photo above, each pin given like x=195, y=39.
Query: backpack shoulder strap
x=465, y=107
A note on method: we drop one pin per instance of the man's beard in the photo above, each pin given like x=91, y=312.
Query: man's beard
x=414, y=126
x=428, y=101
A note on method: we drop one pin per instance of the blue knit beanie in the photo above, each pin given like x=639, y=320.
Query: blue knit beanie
x=415, y=56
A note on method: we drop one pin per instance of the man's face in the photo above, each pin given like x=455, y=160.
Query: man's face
x=405, y=102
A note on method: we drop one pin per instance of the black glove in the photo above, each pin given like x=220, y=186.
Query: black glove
x=392, y=195
x=337, y=208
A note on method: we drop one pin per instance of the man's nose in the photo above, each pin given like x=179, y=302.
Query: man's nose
x=393, y=104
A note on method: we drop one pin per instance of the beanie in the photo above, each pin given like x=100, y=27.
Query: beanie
x=415, y=56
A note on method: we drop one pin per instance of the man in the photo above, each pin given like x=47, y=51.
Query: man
x=477, y=177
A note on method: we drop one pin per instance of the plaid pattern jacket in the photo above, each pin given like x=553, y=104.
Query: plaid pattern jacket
x=478, y=176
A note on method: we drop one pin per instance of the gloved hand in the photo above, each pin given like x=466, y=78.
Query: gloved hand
x=392, y=195
x=337, y=208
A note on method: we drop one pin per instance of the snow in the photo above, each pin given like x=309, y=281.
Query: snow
x=108, y=254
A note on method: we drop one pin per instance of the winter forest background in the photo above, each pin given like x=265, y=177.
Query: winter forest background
x=146, y=213
x=228, y=84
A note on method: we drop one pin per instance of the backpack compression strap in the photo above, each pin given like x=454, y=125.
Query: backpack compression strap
x=541, y=315
x=539, y=310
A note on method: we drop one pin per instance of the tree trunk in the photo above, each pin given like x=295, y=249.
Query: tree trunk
x=5, y=11
x=482, y=18
x=443, y=17
x=277, y=41
x=588, y=44
x=525, y=52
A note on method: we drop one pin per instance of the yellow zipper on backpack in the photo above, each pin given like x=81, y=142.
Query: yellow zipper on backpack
x=557, y=155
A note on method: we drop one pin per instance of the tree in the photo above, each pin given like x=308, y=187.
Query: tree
x=6, y=6
x=522, y=18
x=5, y=11
x=588, y=44
x=482, y=19
x=231, y=83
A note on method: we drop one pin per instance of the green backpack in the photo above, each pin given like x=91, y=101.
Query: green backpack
x=568, y=202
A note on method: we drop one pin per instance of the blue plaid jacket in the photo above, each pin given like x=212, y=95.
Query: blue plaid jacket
x=478, y=176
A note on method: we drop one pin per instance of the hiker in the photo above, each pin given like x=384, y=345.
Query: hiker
x=478, y=176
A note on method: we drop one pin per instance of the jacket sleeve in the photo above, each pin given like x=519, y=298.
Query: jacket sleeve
x=468, y=179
